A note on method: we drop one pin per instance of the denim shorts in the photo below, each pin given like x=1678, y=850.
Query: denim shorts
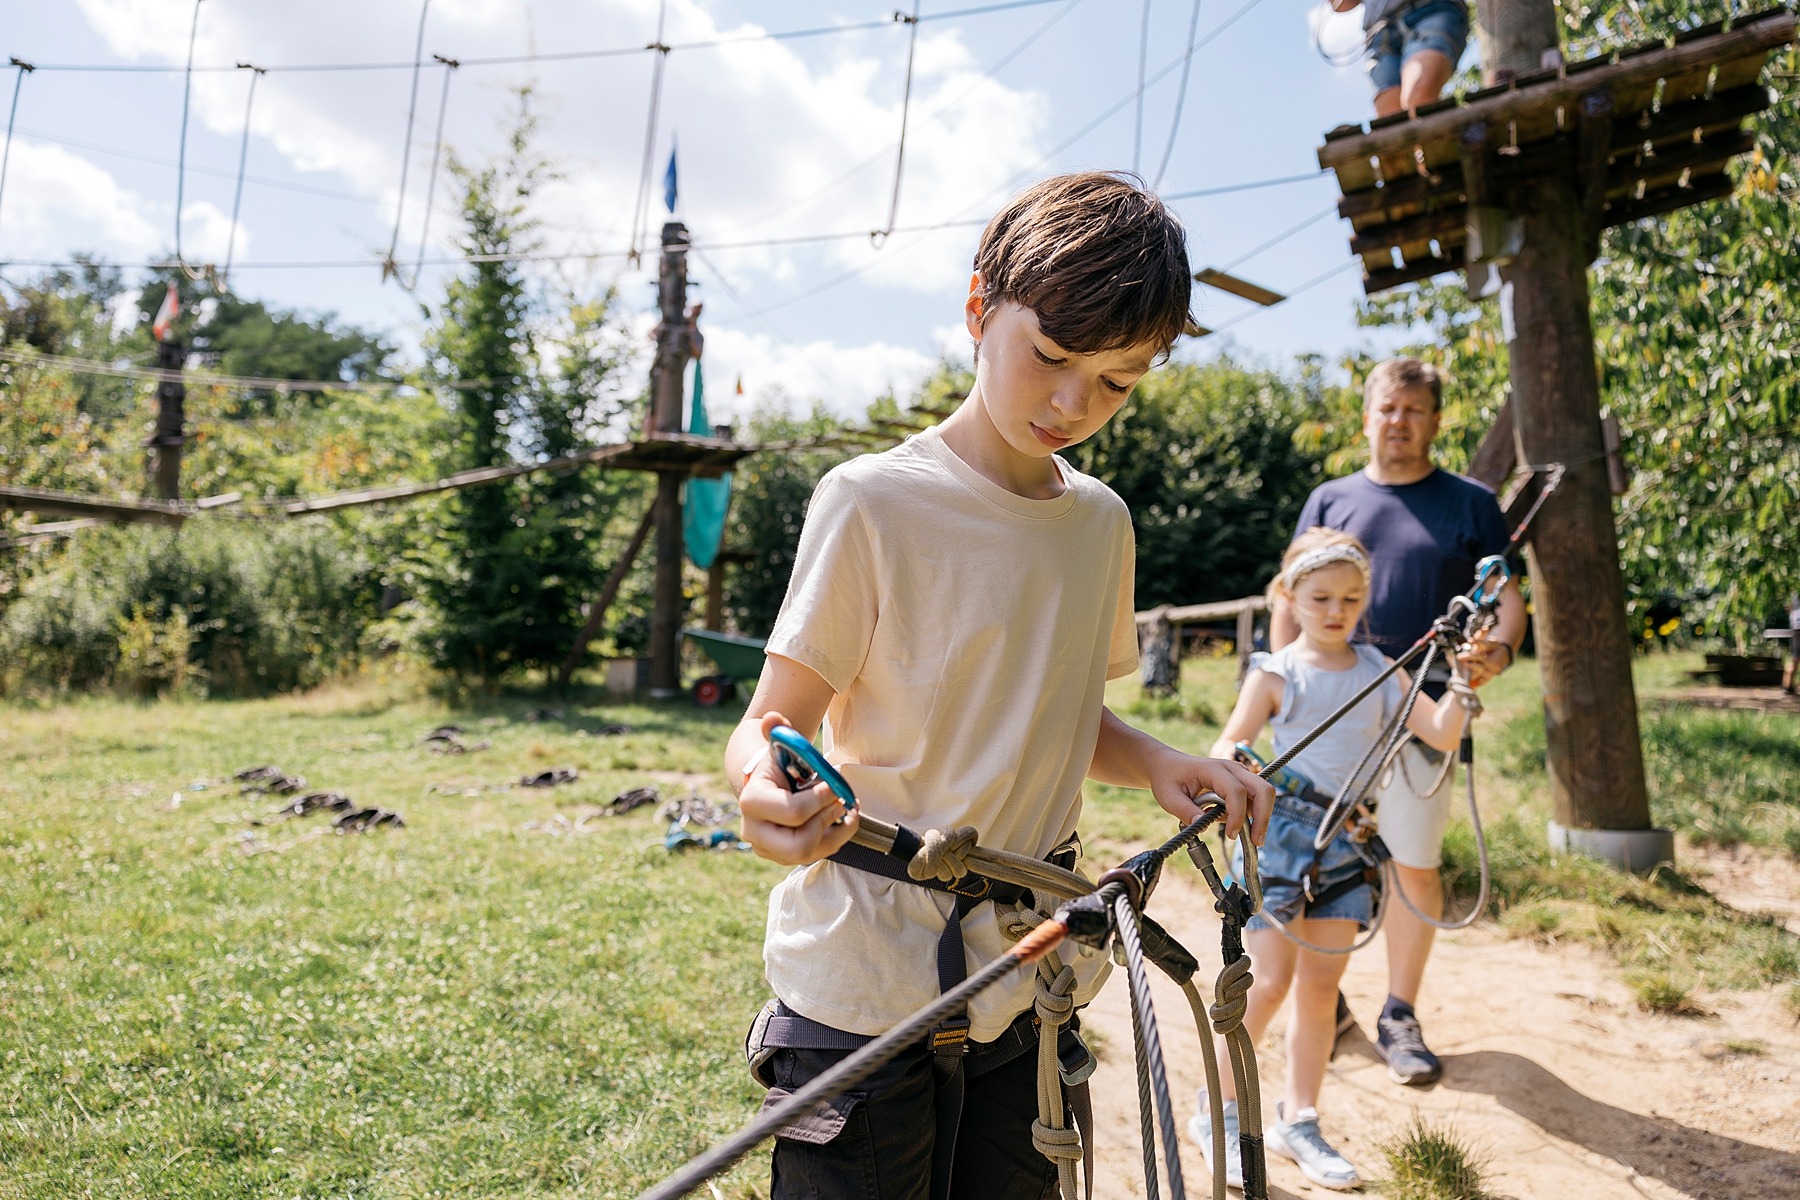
x=1282, y=861
x=1441, y=25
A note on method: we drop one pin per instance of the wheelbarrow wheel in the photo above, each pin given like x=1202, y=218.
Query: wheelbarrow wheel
x=710, y=692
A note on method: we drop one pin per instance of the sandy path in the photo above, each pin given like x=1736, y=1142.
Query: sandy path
x=1550, y=1071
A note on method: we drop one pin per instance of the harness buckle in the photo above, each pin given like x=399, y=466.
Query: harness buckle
x=952, y=1037
x=1075, y=1063
x=973, y=886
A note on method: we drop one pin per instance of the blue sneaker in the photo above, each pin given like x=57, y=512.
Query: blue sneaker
x=1401, y=1042
x=1319, y=1161
x=1200, y=1129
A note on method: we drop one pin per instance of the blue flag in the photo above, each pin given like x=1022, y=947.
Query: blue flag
x=669, y=182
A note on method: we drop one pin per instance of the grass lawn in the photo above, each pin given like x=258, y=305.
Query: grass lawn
x=485, y=1002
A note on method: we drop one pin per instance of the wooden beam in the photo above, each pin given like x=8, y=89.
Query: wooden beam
x=1451, y=260
x=1213, y=610
x=1215, y=278
x=1494, y=459
x=597, y=614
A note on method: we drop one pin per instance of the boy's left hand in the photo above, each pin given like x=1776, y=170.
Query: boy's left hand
x=1177, y=780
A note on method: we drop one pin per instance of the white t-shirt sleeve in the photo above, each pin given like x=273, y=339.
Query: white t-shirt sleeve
x=1122, y=658
x=828, y=618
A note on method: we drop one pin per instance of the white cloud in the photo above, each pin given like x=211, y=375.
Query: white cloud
x=842, y=378
x=57, y=202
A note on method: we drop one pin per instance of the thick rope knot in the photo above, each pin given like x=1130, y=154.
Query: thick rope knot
x=944, y=855
x=1017, y=921
x=1231, y=996
x=1054, y=1003
x=1056, y=1144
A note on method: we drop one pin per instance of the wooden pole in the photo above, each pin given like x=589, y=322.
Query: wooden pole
x=672, y=348
x=597, y=615
x=171, y=397
x=715, y=595
x=1590, y=712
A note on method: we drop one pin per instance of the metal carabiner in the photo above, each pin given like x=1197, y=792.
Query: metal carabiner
x=1484, y=570
x=789, y=745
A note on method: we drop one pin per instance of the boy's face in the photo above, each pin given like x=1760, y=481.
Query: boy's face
x=1041, y=397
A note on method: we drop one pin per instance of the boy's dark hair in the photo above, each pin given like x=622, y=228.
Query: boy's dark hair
x=1100, y=260
x=1404, y=374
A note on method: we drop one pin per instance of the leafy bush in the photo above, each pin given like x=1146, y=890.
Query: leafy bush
x=233, y=609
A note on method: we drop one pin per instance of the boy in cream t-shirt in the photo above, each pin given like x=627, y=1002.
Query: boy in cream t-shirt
x=956, y=608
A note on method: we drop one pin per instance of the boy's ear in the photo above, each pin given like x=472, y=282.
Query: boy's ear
x=972, y=308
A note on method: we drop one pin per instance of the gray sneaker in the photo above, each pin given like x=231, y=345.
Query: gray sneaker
x=1401, y=1042
x=1301, y=1141
x=1200, y=1129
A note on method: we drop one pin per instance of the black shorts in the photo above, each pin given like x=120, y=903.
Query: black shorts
x=876, y=1143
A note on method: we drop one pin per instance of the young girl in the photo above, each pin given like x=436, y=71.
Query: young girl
x=1325, y=576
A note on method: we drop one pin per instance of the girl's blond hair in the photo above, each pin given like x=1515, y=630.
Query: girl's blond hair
x=1348, y=547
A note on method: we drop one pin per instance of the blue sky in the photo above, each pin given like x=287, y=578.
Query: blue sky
x=777, y=139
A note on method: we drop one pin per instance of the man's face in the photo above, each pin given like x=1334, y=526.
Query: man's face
x=1400, y=423
x=1041, y=397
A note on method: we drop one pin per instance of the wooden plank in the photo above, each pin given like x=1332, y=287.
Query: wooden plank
x=1739, y=71
x=1425, y=268
x=1194, y=614
x=1494, y=459
x=1414, y=231
x=110, y=508
x=1752, y=38
x=1655, y=204
x=1657, y=171
x=1214, y=278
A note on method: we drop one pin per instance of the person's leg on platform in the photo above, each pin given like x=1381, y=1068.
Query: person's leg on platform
x=1384, y=52
x=1422, y=78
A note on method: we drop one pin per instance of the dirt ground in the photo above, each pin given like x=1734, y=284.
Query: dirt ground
x=1551, y=1073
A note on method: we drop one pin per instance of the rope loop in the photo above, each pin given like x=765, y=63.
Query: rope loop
x=1057, y=1145
x=1055, y=1004
x=944, y=856
x=1231, y=997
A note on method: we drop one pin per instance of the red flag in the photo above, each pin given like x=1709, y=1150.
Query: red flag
x=165, y=316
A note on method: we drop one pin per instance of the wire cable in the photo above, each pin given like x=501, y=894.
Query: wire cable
x=1284, y=235
x=1137, y=129
x=1310, y=284
x=912, y=44
x=24, y=69
x=437, y=150
x=638, y=215
x=1187, y=63
x=187, y=87
x=388, y=266
x=237, y=195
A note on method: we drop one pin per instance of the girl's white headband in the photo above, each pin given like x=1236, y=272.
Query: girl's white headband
x=1323, y=556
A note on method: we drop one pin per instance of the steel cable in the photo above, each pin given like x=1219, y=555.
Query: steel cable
x=1150, y=1052
x=388, y=265
x=237, y=194
x=187, y=88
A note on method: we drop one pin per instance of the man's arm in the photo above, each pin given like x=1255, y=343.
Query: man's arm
x=1131, y=758
x=1493, y=651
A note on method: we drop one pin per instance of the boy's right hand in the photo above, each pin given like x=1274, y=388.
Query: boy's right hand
x=791, y=828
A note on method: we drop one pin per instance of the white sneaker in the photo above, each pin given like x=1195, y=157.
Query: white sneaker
x=1301, y=1141
x=1200, y=1129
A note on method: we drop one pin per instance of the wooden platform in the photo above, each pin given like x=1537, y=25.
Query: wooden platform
x=1646, y=130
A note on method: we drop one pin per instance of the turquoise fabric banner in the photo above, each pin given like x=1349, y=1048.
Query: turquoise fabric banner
x=705, y=501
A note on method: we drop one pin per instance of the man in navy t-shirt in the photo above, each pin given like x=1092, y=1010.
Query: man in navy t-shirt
x=1425, y=529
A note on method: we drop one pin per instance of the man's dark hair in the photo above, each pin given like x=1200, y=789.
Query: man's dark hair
x=1100, y=260
x=1405, y=374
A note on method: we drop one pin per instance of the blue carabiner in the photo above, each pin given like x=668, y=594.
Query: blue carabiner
x=1485, y=568
x=788, y=745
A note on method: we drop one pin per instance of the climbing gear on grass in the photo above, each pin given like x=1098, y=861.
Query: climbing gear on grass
x=361, y=820
x=269, y=780
x=632, y=798
x=550, y=778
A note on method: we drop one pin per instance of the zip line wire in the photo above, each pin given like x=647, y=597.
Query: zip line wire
x=1137, y=128
x=1187, y=63
x=912, y=44
x=187, y=88
x=564, y=56
x=437, y=151
x=388, y=266
x=639, y=219
x=24, y=68
x=237, y=198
